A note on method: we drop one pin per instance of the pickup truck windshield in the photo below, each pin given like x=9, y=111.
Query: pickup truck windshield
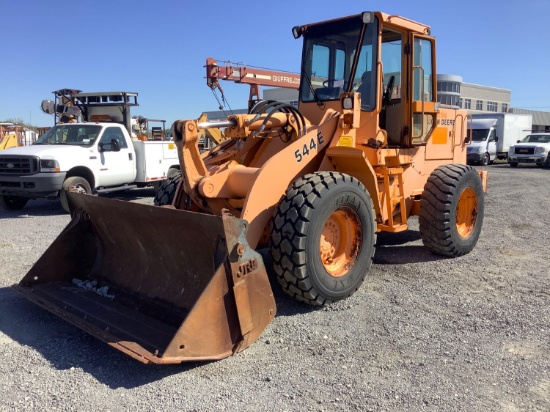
x=70, y=134
x=537, y=138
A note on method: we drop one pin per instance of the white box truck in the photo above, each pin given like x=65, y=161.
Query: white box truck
x=95, y=155
x=493, y=133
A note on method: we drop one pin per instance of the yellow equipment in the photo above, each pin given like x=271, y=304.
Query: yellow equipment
x=11, y=135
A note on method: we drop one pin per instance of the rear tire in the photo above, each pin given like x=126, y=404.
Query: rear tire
x=73, y=184
x=13, y=202
x=173, y=172
x=451, y=210
x=323, y=238
x=167, y=190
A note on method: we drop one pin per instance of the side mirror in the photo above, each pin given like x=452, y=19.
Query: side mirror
x=518, y=141
x=496, y=139
x=109, y=147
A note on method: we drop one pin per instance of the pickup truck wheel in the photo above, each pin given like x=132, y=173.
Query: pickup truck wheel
x=323, y=237
x=547, y=162
x=13, y=202
x=485, y=159
x=451, y=210
x=73, y=184
x=167, y=190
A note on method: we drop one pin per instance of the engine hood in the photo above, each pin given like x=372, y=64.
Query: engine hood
x=47, y=151
x=532, y=144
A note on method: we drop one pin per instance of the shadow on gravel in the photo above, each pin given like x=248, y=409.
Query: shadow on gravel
x=131, y=195
x=402, y=248
x=35, y=208
x=43, y=207
x=66, y=347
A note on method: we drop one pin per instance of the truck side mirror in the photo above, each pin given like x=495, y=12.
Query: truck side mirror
x=114, y=146
x=496, y=139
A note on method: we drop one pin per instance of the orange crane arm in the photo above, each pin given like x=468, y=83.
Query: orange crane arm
x=240, y=73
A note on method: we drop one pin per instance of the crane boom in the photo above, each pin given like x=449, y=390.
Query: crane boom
x=255, y=77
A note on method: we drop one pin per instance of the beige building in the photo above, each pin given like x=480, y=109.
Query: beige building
x=452, y=91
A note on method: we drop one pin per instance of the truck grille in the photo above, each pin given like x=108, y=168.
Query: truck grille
x=525, y=150
x=18, y=165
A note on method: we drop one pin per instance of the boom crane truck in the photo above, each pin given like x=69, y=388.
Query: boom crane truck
x=254, y=77
x=368, y=147
x=106, y=151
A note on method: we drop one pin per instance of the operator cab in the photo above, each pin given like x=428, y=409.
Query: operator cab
x=344, y=56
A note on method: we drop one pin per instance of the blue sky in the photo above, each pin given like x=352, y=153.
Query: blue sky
x=158, y=48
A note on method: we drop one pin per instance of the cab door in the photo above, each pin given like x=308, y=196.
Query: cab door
x=492, y=144
x=117, y=161
x=429, y=126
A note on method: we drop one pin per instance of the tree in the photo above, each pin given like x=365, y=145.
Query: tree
x=21, y=123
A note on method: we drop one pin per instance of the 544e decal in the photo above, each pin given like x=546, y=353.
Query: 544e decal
x=309, y=147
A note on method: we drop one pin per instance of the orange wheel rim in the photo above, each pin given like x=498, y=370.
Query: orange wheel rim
x=340, y=241
x=466, y=212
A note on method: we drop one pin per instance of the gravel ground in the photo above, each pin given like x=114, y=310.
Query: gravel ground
x=422, y=333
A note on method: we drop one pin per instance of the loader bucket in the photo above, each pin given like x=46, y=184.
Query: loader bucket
x=159, y=284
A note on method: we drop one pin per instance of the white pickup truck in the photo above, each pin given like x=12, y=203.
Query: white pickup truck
x=534, y=148
x=89, y=157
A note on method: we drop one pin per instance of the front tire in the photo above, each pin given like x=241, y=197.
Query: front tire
x=485, y=159
x=73, y=184
x=13, y=202
x=167, y=190
x=513, y=164
x=451, y=210
x=323, y=238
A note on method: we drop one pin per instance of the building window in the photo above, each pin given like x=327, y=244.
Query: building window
x=492, y=106
x=504, y=107
x=479, y=104
x=468, y=103
x=460, y=102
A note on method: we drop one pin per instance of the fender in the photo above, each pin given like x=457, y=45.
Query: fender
x=277, y=174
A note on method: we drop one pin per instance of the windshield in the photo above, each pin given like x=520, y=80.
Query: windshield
x=70, y=134
x=479, y=135
x=537, y=138
x=328, y=58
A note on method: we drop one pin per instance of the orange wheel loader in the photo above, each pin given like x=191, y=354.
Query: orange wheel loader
x=367, y=147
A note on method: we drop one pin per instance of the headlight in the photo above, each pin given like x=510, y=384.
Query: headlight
x=511, y=150
x=540, y=149
x=49, y=165
x=347, y=103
